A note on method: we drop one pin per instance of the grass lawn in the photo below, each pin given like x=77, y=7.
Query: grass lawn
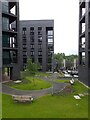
x=0, y=105
x=64, y=106
x=42, y=74
x=30, y=84
x=61, y=81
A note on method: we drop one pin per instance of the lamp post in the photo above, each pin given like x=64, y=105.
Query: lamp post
x=52, y=52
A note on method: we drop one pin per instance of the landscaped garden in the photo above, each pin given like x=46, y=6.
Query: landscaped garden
x=59, y=105
x=62, y=106
x=30, y=78
x=30, y=83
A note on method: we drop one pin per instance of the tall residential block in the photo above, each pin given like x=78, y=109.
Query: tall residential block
x=84, y=42
x=37, y=42
x=9, y=39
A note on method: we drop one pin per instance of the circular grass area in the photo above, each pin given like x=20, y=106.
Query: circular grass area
x=31, y=83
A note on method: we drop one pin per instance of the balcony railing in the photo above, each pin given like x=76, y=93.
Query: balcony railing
x=5, y=9
x=9, y=61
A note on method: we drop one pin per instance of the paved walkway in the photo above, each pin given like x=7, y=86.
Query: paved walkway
x=35, y=93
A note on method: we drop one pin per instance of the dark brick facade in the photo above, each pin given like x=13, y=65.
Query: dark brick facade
x=37, y=42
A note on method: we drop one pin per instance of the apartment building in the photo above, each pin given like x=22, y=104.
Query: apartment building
x=9, y=42
x=84, y=42
x=37, y=42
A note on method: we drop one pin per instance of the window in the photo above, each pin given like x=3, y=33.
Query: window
x=24, y=60
x=24, y=41
x=39, y=28
x=24, y=46
x=5, y=7
x=50, y=32
x=32, y=33
x=50, y=40
x=50, y=43
x=39, y=38
x=24, y=53
x=32, y=53
x=9, y=57
x=6, y=40
x=32, y=38
x=39, y=32
x=31, y=28
x=40, y=53
x=32, y=46
x=24, y=31
x=13, y=43
x=5, y=23
x=40, y=61
x=40, y=46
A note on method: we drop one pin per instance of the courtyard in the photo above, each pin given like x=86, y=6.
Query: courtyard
x=45, y=105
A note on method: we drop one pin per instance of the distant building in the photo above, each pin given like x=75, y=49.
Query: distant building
x=37, y=42
x=9, y=58
x=84, y=42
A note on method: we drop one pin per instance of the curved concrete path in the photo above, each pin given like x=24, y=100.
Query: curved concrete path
x=35, y=93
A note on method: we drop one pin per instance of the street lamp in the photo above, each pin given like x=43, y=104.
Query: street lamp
x=52, y=52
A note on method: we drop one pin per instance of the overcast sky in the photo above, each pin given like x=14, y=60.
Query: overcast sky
x=65, y=14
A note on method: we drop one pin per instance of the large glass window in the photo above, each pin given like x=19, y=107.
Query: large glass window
x=50, y=40
x=5, y=23
x=6, y=57
x=5, y=7
x=6, y=41
x=50, y=32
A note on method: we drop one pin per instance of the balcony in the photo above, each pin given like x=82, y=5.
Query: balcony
x=9, y=31
x=9, y=8
x=82, y=3
x=9, y=61
x=82, y=19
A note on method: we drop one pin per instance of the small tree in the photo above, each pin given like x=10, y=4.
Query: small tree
x=31, y=68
